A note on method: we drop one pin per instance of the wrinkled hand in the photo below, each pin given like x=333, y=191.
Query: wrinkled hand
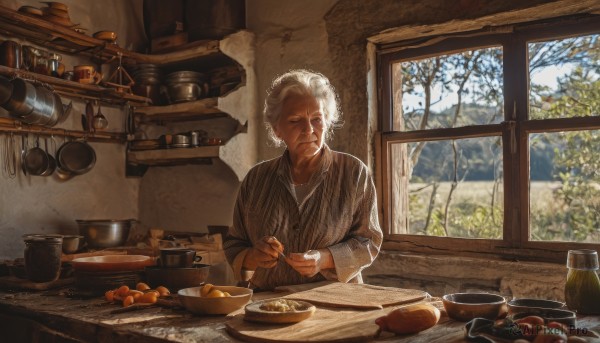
x=307, y=264
x=264, y=254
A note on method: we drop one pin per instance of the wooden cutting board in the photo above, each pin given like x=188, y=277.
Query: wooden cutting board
x=326, y=325
x=353, y=295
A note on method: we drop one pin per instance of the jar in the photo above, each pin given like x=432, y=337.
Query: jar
x=10, y=54
x=582, y=289
x=53, y=64
x=42, y=257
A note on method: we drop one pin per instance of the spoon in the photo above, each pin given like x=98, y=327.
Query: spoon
x=100, y=122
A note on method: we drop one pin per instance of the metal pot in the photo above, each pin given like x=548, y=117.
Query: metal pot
x=182, y=92
x=76, y=157
x=105, y=233
x=43, y=107
x=36, y=160
x=6, y=90
x=178, y=258
x=177, y=278
x=22, y=98
x=180, y=141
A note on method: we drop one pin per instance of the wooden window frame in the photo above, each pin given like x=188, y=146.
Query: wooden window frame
x=514, y=130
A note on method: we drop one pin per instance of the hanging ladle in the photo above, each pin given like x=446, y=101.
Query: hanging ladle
x=100, y=122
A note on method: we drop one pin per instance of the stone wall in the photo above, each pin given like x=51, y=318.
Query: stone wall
x=439, y=275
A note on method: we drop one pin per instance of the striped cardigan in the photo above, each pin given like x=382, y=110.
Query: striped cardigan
x=339, y=213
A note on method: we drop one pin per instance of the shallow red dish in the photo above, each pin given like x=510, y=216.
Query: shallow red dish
x=112, y=263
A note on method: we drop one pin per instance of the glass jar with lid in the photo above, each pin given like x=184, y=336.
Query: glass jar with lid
x=582, y=289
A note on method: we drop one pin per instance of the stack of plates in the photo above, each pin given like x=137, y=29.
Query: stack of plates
x=97, y=283
x=97, y=274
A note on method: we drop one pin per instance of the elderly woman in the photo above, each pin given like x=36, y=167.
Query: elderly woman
x=310, y=214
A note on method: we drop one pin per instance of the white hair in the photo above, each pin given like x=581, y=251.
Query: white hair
x=301, y=82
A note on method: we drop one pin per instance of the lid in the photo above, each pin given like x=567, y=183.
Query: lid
x=584, y=259
x=42, y=239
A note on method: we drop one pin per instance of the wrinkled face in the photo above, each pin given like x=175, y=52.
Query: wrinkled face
x=301, y=125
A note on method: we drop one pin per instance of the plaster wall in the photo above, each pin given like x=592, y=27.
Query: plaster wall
x=35, y=204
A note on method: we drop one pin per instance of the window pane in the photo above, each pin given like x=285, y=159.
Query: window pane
x=564, y=78
x=448, y=90
x=565, y=204
x=448, y=188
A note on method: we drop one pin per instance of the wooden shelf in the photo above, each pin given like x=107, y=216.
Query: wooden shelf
x=14, y=126
x=73, y=89
x=66, y=40
x=172, y=155
x=192, y=110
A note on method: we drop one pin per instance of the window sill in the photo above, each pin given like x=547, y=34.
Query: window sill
x=443, y=274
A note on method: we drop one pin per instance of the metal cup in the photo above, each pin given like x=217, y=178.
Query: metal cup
x=584, y=259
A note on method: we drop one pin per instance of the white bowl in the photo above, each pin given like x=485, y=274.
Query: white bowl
x=190, y=299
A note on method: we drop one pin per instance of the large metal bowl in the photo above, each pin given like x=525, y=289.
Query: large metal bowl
x=105, y=233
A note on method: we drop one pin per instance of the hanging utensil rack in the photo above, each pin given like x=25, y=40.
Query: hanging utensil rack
x=11, y=125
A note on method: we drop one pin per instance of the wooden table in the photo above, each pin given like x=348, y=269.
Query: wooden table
x=44, y=316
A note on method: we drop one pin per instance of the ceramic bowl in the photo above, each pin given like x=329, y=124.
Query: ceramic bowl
x=109, y=36
x=550, y=315
x=466, y=306
x=527, y=305
x=177, y=278
x=71, y=243
x=192, y=301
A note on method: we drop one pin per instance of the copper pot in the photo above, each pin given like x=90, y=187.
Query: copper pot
x=10, y=54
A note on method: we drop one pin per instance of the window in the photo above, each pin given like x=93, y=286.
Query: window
x=490, y=142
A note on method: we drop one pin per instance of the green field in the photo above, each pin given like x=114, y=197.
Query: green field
x=471, y=214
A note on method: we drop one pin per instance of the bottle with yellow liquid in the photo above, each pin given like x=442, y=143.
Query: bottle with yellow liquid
x=582, y=290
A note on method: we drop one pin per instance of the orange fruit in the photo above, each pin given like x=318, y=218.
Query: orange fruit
x=163, y=291
x=215, y=293
x=135, y=294
x=148, y=298
x=110, y=295
x=123, y=291
x=205, y=289
x=142, y=286
x=128, y=301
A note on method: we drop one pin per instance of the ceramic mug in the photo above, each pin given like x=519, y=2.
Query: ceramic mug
x=86, y=74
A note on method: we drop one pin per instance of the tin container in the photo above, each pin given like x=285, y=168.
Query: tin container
x=42, y=257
